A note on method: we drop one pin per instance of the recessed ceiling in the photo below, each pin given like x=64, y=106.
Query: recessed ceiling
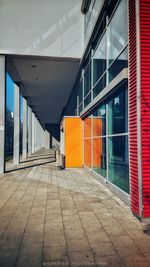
x=47, y=83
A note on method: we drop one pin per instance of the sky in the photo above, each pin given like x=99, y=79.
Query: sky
x=10, y=96
x=9, y=93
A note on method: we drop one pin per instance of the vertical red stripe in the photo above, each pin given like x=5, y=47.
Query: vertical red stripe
x=134, y=188
x=145, y=101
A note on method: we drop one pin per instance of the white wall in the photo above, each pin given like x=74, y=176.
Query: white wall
x=47, y=139
x=41, y=27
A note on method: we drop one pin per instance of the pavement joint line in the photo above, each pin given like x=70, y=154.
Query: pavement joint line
x=17, y=258
x=17, y=205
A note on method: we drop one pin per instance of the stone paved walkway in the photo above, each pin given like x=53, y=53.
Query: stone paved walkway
x=65, y=218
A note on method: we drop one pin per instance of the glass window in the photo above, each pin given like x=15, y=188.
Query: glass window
x=87, y=79
x=9, y=134
x=87, y=100
x=120, y=63
x=80, y=108
x=80, y=91
x=99, y=121
x=99, y=86
x=87, y=152
x=87, y=141
x=87, y=127
x=118, y=33
x=99, y=60
x=118, y=112
x=118, y=170
x=99, y=156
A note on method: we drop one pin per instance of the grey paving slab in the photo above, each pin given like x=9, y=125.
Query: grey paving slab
x=65, y=218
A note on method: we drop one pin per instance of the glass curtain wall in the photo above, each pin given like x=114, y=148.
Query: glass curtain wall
x=87, y=84
x=109, y=54
x=88, y=141
x=99, y=140
x=21, y=123
x=106, y=139
x=9, y=135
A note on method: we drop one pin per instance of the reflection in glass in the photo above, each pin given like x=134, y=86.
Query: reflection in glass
x=120, y=63
x=87, y=127
x=80, y=93
x=118, y=112
x=118, y=165
x=87, y=152
x=99, y=121
x=87, y=141
x=87, y=79
x=80, y=108
x=118, y=32
x=9, y=134
x=99, y=86
x=99, y=60
x=87, y=100
x=99, y=156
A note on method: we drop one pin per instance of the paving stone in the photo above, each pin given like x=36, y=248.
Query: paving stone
x=25, y=261
x=80, y=244
x=65, y=217
x=58, y=253
x=109, y=261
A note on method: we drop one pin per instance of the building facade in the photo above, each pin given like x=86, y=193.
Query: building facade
x=112, y=98
x=91, y=61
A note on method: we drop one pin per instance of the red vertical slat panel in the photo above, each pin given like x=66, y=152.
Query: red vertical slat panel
x=145, y=101
x=133, y=149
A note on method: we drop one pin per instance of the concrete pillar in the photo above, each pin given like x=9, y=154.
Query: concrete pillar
x=2, y=114
x=16, y=125
x=33, y=132
x=24, y=146
x=29, y=131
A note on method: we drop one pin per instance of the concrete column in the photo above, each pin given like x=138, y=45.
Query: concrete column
x=29, y=131
x=24, y=146
x=2, y=114
x=16, y=125
x=33, y=132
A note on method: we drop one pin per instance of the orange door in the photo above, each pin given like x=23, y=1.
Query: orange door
x=73, y=142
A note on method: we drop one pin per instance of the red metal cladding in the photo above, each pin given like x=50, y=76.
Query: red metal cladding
x=145, y=101
x=134, y=188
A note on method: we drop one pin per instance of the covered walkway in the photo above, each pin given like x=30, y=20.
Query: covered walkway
x=65, y=218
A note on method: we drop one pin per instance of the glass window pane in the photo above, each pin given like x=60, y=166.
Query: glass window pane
x=87, y=100
x=9, y=134
x=118, y=165
x=87, y=80
x=87, y=152
x=80, y=108
x=80, y=92
x=99, y=156
x=118, y=31
x=99, y=121
x=118, y=112
x=120, y=63
x=87, y=127
x=99, y=86
x=99, y=60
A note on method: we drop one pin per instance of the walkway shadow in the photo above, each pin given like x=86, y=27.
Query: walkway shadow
x=41, y=155
x=30, y=166
x=35, y=159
